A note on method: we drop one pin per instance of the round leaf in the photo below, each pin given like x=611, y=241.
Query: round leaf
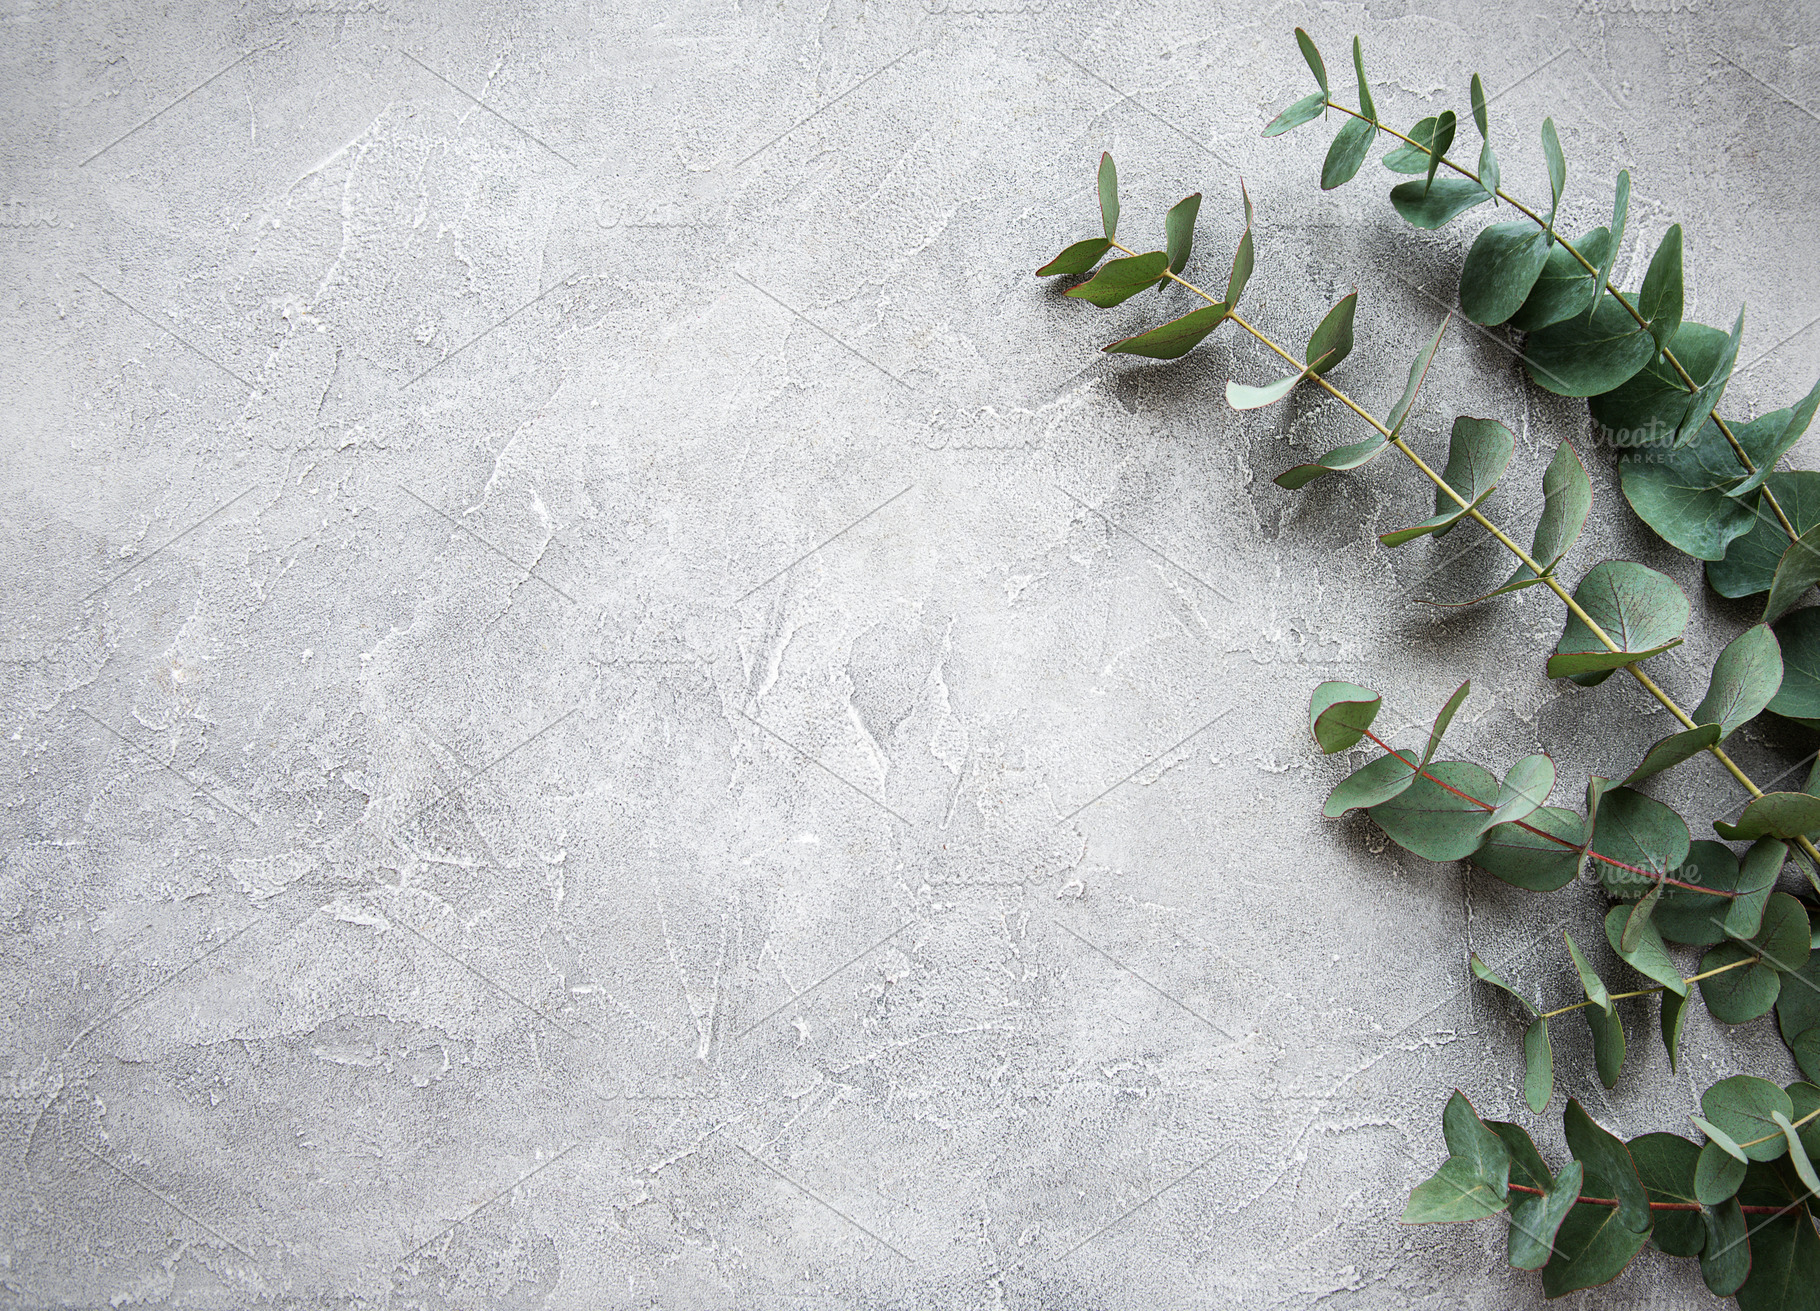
x=1744, y=1107
x=1435, y=823
x=1643, y=611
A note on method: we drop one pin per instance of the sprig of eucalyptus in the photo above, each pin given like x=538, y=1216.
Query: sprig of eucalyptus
x=1706, y=486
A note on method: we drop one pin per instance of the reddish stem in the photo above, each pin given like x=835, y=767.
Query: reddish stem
x=1651, y=875
x=1662, y=1206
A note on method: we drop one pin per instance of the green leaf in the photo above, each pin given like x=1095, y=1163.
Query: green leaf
x=1620, y=211
x=1523, y=791
x=1524, y=860
x=1806, y=1099
x=1590, y=982
x=1774, y=814
x=1661, y=299
x=1557, y=165
x=1437, y=203
x=1666, y=1163
x=1241, y=397
x=1418, y=372
x=1470, y=1140
x=1313, y=57
x=1338, y=460
x=1673, y=750
x=1725, y=1255
x=1674, y=1014
x=1358, y=62
x=1078, y=258
x=1477, y=455
x=1486, y=974
x=1700, y=409
x=1109, y=195
x=1178, y=230
x=1443, y=142
x=1534, y=1221
x=1805, y=1046
x=1502, y=266
x=1798, y=635
x=1526, y=1164
x=1784, y=1265
x=1636, y=831
x=1120, y=279
x=1745, y=680
x=1175, y=338
x=1308, y=107
x=1647, y=409
x=1609, y=1164
x=1784, y=938
x=1378, y=782
x=1721, y=1167
x=1798, y=1008
x=1684, y=493
x=1566, y=500
x=1768, y=438
x=1608, y=1043
x=1797, y=1152
x=1639, y=609
x=1478, y=105
x=1243, y=259
x=1796, y=571
x=1413, y=158
x=1647, y=955
x=1756, y=885
x=1592, y=1247
x=1443, y=719
x=1740, y=994
x=1488, y=170
x=1584, y=357
x=1350, y=146
x=1453, y=1194
x=1743, y=1108
x=1434, y=823
x=1690, y=917
x=1339, y=714
x=1538, y=1066
x=1563, y=290
x=1752, y=562
x=1331, y=340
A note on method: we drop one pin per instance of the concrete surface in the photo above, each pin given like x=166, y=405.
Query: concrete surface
x=608, y=704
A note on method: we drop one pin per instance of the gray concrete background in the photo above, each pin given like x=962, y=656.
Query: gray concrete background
x=496, y=814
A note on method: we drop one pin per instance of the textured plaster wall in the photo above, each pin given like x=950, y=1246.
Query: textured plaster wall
x=608, y=705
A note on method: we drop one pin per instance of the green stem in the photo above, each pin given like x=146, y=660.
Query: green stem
x=1644, y=992
x=1686, y=378
x=1644, y=680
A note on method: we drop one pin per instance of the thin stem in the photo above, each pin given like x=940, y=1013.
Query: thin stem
x=1796, y=1125
x=1686, y=378
x=1644, y=992
x=1657, y=1206
x=1574, y=607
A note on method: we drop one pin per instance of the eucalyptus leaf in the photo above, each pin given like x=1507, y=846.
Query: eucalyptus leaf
x=1523, y=859
x=1538, y=1066
x=1500, y=269
x=1643, y=611
x=1566, y=500
x=1178, y=230
x=1645, y=838
x=1477, y=455
x=1590, y=982
x=1331, y=340
x=1443, y=142
x=1661, y=299
x=1744, y=991
x=1524, y=790
x=1526, y=1164
x=1608, y=1043
x=1691, y=917
x=1338, y=460
x=1243, y=259
x=1685, y=493
x=1120, y=279
x=1768, y=438
x=1784, y=1264
x=1797, y=1152
x=1557, y=165
x=1308, y=107
x=1798, y=1008
x=1743, y=1108
x=1436, y=204
x=1774, y=814
x=1078, y=258
x=1725, y=1255
x=1350, y=146
x=1469, y=1139
x=1564, y=289
x=1478, y=105
x=1382, y=779
x=1241, y=397
x=1674, y=1014
x=1358, y=62
x=1339, y=714
x=1746, y=677
x=1109, y=195
x=1454, y=1193
x=1592, y=1247
x=1673, y=750
x=1609, y=1163
x=1413, y=158
x=1313, y=56
x=1751, y=562
x=1700, y=409
x=1488, y=171
x=1784, y=939
x=1436, y=823
x=1666, y=1164
x=1584, y=357
x=1646, y=411
x=1535, y=1221
x=1757, y=875
x=1620, y=211
x=1719, y=1172
x=1648, y=955
x=1486, y=974
x=1796, y=571
x=1418, y=372
x=1175, y=338
x=1443, y=719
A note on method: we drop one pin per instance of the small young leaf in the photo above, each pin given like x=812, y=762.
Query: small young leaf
x=1647, y=954
x=1413, y=158
x=1109, y=195
x=1477, y=455
x=1438, y=203
x=1335, y=461
x=1443, y=719
x=1502, y=266
x=1725, y=1255
x=1331, y=340
x=1436, y=822
x=1661, y=298
x=1485, y=974
x=1241, y=397
x=1175, y=338
x=1339, y=714
x=1308, y=107
x=1674, y=1013
x=1620, y=211
x=1313, y=56
x=1078, y=258
x=1590, y=982
x=1743, y=1109
x=1701, y=407
x=1350, y=146
x=1538, y=1066
x=1721, y=1168
x=1673, y=750
x=1443, y=142
x=1418, y=372
x=1242, y=258
x=1557, y=165
x=1525, y=860
x=1478, y=106
x=1453, y=1194
x=1608, y=1162
x=1643, y=611
x=1566, y=500
x=1607, y=1042
x=1488, y=171
x=1382, y=779
x=1178, y=228
x=1768, y=438
x=1120, y=279
x=1358, y=62
x=1534, y=1221
x=1584, y=357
